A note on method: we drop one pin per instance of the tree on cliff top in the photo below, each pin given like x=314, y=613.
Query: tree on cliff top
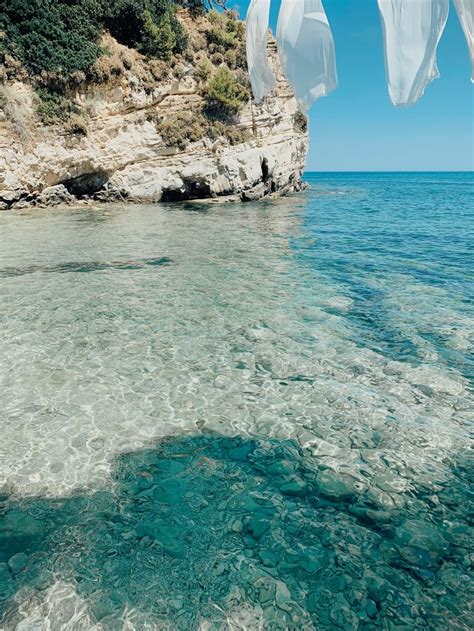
x=63, y=36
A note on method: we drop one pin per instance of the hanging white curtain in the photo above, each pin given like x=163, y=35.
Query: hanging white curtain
x=465, y=9
x=306, y=48
x=412, y=31
x=262, y=78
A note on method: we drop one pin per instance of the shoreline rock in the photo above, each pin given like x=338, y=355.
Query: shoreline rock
x=123, y=157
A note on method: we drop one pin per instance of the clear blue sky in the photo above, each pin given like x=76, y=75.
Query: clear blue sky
x=356, y=128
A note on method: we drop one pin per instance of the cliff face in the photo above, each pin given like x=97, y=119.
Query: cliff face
x=123, y=153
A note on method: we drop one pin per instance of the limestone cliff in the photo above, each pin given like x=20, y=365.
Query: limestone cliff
x=119, y=151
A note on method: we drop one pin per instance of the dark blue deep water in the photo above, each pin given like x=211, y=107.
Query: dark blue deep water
x=241, y=416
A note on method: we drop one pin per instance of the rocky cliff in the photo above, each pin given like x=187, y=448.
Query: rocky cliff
x=122, y=146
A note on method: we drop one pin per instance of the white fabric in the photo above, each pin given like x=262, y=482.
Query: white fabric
x=412, y=30
x=465, y=9
x=262, y=78
x=306, y=49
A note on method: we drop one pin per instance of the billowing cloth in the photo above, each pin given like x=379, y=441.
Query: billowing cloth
x=262, y=78
x=412, y=29
x=306, y=48
x=465, y=9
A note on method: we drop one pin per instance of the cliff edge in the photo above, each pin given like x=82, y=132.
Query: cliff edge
x=146, y=130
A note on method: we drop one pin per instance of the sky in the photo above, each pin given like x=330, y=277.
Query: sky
x=356, y=128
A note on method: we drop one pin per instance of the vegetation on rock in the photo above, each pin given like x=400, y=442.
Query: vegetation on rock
x=181, y=129
x=300, y=122
x=63, y=36
x=54, y=106
x=15, y=112
x=224, y=93
x=60, y=45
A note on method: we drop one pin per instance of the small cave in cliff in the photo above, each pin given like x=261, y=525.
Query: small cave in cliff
x=87, y=184
x=190, y=189
x=265, y=169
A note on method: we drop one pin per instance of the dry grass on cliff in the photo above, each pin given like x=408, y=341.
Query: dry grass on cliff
x=184, y=128
x=16, y=111
x=120, y=64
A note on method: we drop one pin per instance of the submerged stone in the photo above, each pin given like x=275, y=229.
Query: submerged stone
x=7, y=586
x=268, y=557
x=241, y=453
x=170, y=492
x=17, y=562
x=295, y=487
x=282, y=596
x=258, y=525
x=281, y=468
x=19, y=531
x=330, y=485
x=167, y=537
x=420, y=543
x=370, y=608
x=377, y=587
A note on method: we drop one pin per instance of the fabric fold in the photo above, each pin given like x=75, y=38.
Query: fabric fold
x=412, y=32
x=261, y=75
x=465, y=10
x=306, y=48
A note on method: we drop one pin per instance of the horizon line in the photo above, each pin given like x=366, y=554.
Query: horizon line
x=391, y=171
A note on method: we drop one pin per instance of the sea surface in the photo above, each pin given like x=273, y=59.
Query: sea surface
x=240, y=416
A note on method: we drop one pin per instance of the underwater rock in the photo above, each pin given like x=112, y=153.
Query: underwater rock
x=295, y=487
x=166, y=537
x=17, y=562
x=266, y=590
x=258, y=525
x=281, y=468
x=241, y=453
x=330, y=485
x=420, y=543
x=377, y=587
x=19, y=531
x=282, y=596
x=171, y=492
x=7, y=586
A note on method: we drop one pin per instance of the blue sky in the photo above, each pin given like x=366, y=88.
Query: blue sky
x=356, y=128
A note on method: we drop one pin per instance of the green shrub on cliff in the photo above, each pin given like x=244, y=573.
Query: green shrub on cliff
x=227, y=30
x=181, y=128
x=223, y=92
x=55, y=107
x=204, y=68
x=50, y=36
x=150, y=26
x=63, y=36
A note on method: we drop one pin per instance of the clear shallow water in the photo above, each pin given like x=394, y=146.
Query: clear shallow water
x=327, y=335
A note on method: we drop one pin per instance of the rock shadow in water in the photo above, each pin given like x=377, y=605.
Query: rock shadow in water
x=202, y=524
x=85, y=266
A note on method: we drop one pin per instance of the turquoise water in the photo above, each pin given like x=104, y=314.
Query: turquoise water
x=240, y=416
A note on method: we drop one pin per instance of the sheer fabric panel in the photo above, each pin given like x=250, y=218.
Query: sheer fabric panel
x=262, y=78
x=465, y=9
x=412, y=31
x=306, y=49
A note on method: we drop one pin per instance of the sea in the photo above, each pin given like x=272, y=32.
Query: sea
x=240, y=416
